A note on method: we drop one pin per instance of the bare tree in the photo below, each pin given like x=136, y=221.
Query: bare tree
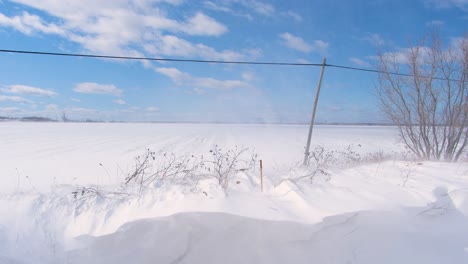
x=428, y=99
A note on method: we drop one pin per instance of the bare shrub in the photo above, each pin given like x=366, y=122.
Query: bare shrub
x=153, y=169
x=428, y=99
x=318, y=162
x=224, y=165
x=90, y=194
x=86, y=192
x=321, y=160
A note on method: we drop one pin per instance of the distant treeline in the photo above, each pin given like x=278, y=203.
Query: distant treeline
x=27, y=118
x=45, y=119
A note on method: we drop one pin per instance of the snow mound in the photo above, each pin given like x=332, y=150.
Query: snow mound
x=360, y=237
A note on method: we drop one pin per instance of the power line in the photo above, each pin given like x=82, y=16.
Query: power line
x=157, y=59
x=367, y=70
x=215, y=61
x=386, y=72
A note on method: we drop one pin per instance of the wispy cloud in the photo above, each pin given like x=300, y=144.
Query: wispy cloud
x=374, y=39
x=303, y=61
x=174, y=46
x=258, y=6
x=80, y=110
x=51, y=107
x=95, y=88
x=461, y=4
x=152, y=109
x=14, y=99
x=10, y=109
x=29, y=24
x=248, y=76
x=29, y=90
x=359, y=62
x=225, y=7
x=217, y=6
x=182, y=78
x=242, y=8
x=435, y=23
x=292, y=15
x=402, y=55
x=297, y=43
x=201, y=24
x=120, y=102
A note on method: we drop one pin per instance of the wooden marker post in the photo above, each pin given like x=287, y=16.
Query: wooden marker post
x=261, y=175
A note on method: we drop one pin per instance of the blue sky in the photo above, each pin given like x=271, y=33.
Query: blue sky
x=345, y=32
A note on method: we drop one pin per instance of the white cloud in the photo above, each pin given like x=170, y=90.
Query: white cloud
x=120, y=18
x=28, y=24
x=80, y=110
x=248, y=76
x=435, y=23
x=224, y=6
x=118, y=27
x=23, y=89
x=51, y=107
x=14, y=99
x=173, y=73
x=10, y=109
x=95, y=88
x=360, y=62
x=293, y=15
x=257, y=6
x=241, y=8
x=199, y=91
x=201, y=24
x=303, y=61
x=182, y=78
x=172, y=2
x=126, y=111
x=75, y=100
x=174, y=46
x=401, y=56
x=321, y=46
x=152, y=109
x=374, y=39
x=217, y=6
x=297, y=43
x=462, y=4
x=120, y=102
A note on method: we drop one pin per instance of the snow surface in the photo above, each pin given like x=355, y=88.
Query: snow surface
x=391, y=211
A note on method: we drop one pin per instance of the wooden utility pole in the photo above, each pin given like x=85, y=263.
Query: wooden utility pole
x=306, y=154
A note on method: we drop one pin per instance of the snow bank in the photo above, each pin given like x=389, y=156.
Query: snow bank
x=243, y=226
x=360, y=237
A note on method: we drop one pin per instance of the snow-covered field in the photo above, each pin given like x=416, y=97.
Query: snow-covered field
x=377, y=211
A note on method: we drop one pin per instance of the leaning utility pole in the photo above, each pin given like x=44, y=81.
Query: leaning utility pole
x=306, y=154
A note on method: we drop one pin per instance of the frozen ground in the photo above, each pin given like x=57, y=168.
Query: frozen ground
x=389, y=211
